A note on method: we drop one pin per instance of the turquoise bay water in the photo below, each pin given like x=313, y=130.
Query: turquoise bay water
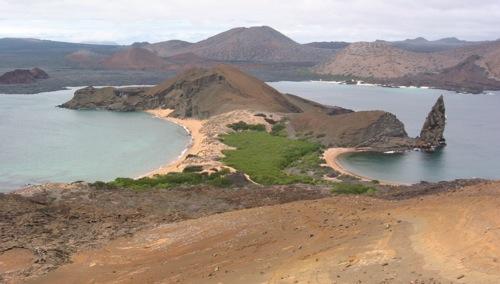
x=40, y=142
x=472, y=130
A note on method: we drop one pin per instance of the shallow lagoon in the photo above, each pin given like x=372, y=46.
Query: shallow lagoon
x=40, y=142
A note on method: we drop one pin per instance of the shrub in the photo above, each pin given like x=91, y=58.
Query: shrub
x=173, y=179
x=352, y=188
x=241, y=125
x=279, y=129
x=264, y=157
x=192, y=169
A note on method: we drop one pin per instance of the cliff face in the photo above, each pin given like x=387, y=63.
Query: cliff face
x=377, y=129
x=431, y=136
x=203, y=93
x=122, y=99
x=23, y=76
x=197, y=93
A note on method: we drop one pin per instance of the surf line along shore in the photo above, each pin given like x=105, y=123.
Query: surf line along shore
x=331, y=156
x=199, y=145
x=195, y=146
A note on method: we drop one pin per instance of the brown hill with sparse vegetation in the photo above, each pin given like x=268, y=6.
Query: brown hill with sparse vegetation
x=23, y=76
x=381, y=60
x=135, y=58
x=168, y=48
x=198, y=93
x=470, y=76
x=203, y=93
x=472, y=68
x=254, y=44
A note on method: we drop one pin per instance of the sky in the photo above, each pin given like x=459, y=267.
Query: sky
x=304, y=21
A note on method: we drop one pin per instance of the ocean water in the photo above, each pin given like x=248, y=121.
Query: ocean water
x=472, y=130
x=40, y=142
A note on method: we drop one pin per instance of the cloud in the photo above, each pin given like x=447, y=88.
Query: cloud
x=303, y=20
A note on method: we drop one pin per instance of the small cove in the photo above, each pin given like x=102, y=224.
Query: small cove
x=472, y=130
x=42, y=143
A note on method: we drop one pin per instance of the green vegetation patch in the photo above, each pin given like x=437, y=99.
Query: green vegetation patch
x=241, y=126
x=279, y=129
x=352, y=188
x=264, y=157
x=170, y=180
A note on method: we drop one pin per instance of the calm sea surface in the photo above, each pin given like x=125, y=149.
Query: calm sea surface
x=472, y=130
x=40, y=142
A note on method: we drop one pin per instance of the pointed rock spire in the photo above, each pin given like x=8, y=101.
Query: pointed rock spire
x=431, y=135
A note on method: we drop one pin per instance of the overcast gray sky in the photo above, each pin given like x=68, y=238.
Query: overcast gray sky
x=302, y=20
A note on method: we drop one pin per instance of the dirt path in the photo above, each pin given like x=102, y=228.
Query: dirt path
x=450, y=237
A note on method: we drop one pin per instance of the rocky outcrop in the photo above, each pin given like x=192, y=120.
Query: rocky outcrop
x=205, y=93
x=196, y=93
x=109, y=98
x=431, y=136
x=379, y=130
x=23, y=76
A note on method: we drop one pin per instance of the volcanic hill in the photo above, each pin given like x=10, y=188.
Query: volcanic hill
x=254, y=44
x=472, y=68
x=203, y=93
x=23, y=76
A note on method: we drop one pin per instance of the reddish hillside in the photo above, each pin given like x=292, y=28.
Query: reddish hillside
x=168, y=48
x=255, y=44
x=23, y=76
x=136, y=59
x=206, y=92
x=86, y=58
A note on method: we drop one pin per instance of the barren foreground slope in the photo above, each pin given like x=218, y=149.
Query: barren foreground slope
x=448, y=237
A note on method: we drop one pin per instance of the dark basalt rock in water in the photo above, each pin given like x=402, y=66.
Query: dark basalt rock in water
x=23, y=76
x=203, y=93
x=431, y=135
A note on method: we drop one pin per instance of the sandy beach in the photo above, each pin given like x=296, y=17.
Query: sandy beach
x=193, y=126
x=205, y=148
x=331, y=156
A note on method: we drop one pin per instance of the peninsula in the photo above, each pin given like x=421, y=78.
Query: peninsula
x=223, y=95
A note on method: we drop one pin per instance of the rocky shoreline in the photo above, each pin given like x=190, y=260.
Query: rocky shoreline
x=205, y=93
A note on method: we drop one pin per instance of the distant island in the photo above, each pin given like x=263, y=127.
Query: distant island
x=449, y=63
x=23, y=76
x=258, y=193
